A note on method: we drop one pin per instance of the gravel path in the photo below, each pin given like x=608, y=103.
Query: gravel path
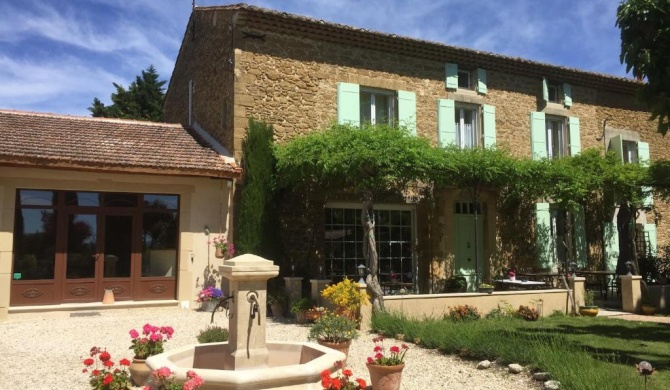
x=46, y=350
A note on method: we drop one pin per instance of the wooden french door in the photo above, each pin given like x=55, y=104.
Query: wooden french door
x=99, y=255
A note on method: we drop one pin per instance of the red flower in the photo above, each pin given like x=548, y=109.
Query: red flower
x=325, y=381
x=378, y=348
x=370, y=360
x=105, y=356
x=89, y=362
x=337, y=385
x=95, y=372
x=361, y=383
x=325, y=373
x=395, y=349
x=108, y=363
x=124, y=362
x=347, y=372
x=108, y=379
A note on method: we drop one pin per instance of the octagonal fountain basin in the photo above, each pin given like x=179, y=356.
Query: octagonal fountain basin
x=291, y=365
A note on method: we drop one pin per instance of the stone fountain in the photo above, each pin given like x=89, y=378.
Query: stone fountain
x=247, y=361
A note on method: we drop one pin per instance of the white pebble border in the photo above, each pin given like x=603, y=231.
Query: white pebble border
x=46, y=350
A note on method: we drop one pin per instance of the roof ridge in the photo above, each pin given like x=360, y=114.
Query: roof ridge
x=88, y=118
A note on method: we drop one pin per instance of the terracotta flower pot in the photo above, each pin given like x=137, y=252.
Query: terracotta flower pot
x=342, y=347
x=648, y=310
x=219, y=253
x=385, y=377
x=139, y=371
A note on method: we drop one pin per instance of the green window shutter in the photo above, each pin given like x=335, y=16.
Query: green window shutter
x=538, y=137
x=643, y=158
x=567, y=95
x=446, y=127
x=348, y=104
x=489, y=125
x=545, y=89
x=616, y=146
x=643, y=153
x=407, y=110
x=451, y=76
x=543, y=238
x=481, y=81
x=611, y=245
x=650, y=238
x=575, y=142
x=580, y=238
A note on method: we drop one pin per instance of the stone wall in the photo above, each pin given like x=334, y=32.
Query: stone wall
x=291, y=82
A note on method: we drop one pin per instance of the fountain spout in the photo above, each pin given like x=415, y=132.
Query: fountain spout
x=252, y=298
x=224, y=304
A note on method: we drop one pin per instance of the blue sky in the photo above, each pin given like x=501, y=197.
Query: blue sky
x=57, y=55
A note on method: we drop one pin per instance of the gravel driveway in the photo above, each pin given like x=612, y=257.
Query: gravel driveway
x=46, y=350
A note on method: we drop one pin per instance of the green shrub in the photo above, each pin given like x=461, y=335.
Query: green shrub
x=333, y=329
x=213, y=334
x=463, y=313
x=301, y=304
x=504, y=310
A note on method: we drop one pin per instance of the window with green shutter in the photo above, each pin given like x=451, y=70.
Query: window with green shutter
x=356, y=105
x=446, y=129
x=458, y=78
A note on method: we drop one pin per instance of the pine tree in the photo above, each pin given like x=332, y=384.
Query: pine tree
x=142, y=100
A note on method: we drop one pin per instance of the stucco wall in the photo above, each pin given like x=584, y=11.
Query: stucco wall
x=437, y=305
x=203, y=202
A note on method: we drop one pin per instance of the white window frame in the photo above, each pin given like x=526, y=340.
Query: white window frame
x=630, y=154
x=460, y=126
x=549, y=133
x=393, y=97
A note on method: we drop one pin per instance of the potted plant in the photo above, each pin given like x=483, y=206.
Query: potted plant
x=334, y=331
x=456, y=284
x=164, y=379
x=648, y=308
x=343, y=381
x=486, y=288
x=386, y=367
x=277, y=301
x=213, y=334
x=149, y=343
x=511, y=274
x=299, y=307
x=588, y=309
x=103, y=374
x=222, y=247
x=347, y=297
x=208, y=298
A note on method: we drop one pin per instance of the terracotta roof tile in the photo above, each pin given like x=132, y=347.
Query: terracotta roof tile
x=102, y=144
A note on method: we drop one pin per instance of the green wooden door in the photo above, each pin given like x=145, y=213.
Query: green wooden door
x=465, y=249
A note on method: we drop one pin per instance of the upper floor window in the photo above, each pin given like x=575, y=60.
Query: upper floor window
x=467, y=126
x=556, y=137
x=465, y=79
x=377, y=107
x=555, y=92
x=458, y=78
x=629, y=152
x=358, y=105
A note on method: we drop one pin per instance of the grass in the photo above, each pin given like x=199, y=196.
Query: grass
x=582, y=353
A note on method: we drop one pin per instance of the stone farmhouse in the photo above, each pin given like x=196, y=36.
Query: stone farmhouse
x=88, y=204
x=300, y=74
x=91, y=204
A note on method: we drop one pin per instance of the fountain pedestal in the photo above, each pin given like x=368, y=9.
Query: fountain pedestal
x=247, y=276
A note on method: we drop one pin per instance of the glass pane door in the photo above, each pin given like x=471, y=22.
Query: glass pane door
x=118, y=246
x=82, y=232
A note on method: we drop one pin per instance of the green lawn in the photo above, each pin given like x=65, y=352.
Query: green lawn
x=582, y=353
